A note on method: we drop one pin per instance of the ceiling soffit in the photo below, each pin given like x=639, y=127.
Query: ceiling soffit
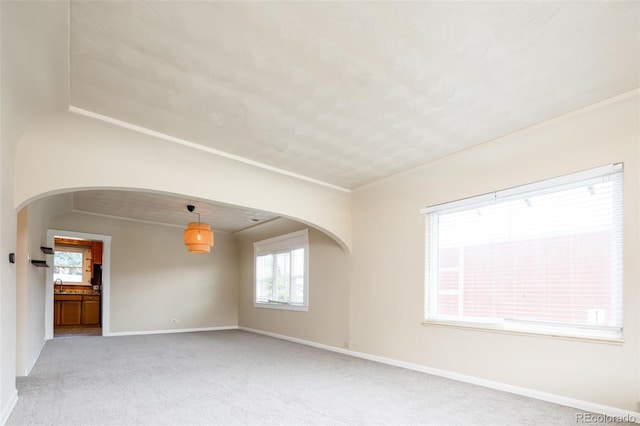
x=166, y=209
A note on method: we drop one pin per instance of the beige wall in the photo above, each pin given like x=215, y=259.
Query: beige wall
x=33, y=82
x=326, y=322
x=387, y=297
x=154, y=279
x=31, y=281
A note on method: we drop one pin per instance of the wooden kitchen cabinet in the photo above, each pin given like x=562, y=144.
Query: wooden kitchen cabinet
x=96, y=252
x=90, y=310
x=70, y=309
x=76, y=310
x=56, y=312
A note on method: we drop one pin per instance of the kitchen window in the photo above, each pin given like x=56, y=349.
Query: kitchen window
x=543, y=258
x=68, y=265
x=281, y=272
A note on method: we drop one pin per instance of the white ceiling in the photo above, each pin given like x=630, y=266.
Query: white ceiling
x=166, y=209
x=347, y=92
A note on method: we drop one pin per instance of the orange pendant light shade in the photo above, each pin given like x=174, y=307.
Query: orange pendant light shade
x=198, y=237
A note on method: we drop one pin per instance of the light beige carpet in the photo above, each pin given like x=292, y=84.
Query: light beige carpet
x=240, y=378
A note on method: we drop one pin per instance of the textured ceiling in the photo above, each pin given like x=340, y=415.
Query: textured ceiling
x=165, y=209
x=347, y=92
x=342, y=92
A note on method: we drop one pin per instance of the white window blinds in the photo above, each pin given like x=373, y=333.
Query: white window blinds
x=544, y=258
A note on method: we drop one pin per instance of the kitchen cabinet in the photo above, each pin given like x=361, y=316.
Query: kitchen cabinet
x=76, y=310
x=90, y=310
x=96, y=252
x=56, y=312
x=70, y=309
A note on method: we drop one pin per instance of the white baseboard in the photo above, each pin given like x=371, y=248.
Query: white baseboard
x=174, y=330
x=8, y=407
x=613, y=412
x=27, y=371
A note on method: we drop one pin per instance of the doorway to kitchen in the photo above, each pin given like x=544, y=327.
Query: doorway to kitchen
x=77, y=281
x=77, y=295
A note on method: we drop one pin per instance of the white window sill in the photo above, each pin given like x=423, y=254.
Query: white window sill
x=496, y=328
x=281, y=306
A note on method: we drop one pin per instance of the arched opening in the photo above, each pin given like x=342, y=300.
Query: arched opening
x=107, y=157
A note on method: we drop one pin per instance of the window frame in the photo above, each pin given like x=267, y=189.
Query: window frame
x=286, y=243
x=83, y=270
x=611, y=333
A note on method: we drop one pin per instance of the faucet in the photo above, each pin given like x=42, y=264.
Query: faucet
x=56, y=282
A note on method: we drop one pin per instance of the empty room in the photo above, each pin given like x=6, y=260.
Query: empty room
x=349, y=212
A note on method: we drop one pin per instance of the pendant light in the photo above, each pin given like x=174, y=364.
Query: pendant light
x=198, y=236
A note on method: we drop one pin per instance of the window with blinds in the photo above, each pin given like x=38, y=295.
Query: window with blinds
x=281, y=272
x=542, y=258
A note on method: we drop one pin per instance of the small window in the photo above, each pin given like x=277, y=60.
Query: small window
x=281, y=272
x=543, y=258
x=68, y=266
